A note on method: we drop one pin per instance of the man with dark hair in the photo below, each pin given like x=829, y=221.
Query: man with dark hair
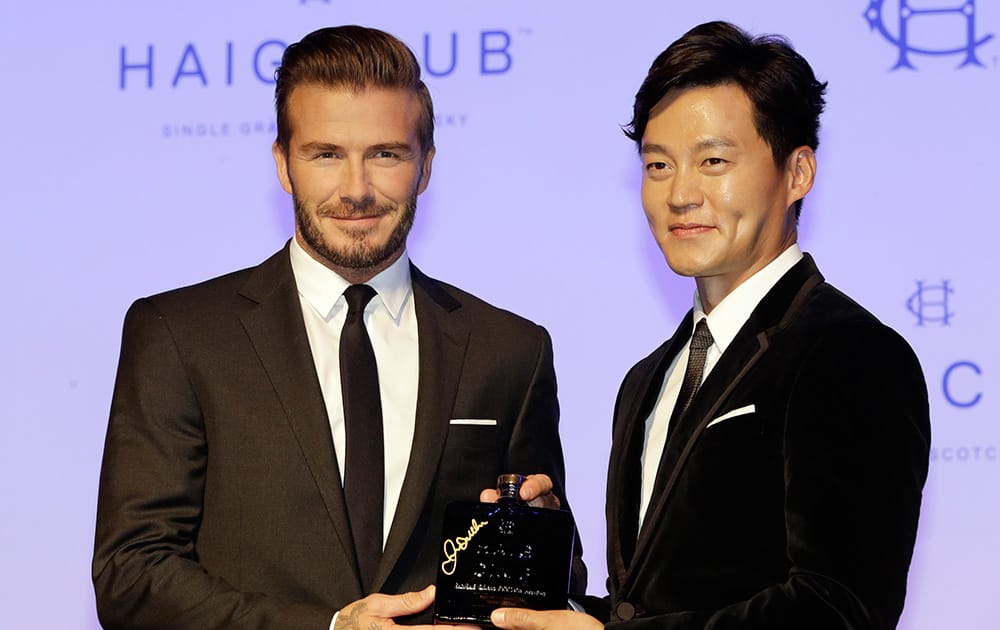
x=768, y=459
x=283, y=439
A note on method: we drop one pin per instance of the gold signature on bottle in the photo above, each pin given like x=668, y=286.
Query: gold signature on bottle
x=459, y=543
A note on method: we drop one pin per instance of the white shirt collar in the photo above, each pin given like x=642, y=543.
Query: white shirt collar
x=734, y=310
x=323, y=288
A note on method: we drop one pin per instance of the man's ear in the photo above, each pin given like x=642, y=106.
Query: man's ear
x=281, y=163
x=425, y=171
x=801, y=170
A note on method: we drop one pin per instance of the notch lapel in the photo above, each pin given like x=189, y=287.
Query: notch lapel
x=443, y=338
x=278, y=335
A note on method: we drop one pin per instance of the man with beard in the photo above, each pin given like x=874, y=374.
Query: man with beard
x=283, y=439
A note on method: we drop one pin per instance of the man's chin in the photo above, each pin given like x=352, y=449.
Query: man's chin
x=356, y=260
x=366, y=257
x=684, y=268
x=692, y=264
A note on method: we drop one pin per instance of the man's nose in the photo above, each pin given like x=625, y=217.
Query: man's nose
x=356, y=184
x=685, y=190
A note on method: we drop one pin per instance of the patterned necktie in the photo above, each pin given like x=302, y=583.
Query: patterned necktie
x=364, y=467
x=700, y=343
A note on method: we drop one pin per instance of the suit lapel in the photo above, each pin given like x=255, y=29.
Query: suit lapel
x=741, y=355
x=278, y=334
x=442, y=337
x=627, y=443
x=770, y=316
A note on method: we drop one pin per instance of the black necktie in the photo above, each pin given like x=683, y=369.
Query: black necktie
x=701, y=341
x=364, y=468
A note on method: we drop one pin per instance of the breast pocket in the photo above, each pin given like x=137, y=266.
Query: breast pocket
x=471, y=461
x=472, y=433
x=730, y=465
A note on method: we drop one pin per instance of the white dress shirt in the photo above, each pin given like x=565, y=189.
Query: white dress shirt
x=724, y=322
x=391, y=321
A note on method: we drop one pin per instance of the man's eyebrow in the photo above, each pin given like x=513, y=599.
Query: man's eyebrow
x=400, y=147
x=715, y=143
x=320, y=146
x=317, y=146
x=701, y=145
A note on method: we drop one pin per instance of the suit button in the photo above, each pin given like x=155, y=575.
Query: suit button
x=625, y=611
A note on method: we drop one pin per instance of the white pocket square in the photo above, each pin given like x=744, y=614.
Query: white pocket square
x=482, y=422
x=742, y=411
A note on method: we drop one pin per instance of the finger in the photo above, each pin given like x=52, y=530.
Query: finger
x=550, y=501
x=540, y=491
x=390, y=606
x=415, y=601
x=488, y=496
x=515, y=619
x=535, y=486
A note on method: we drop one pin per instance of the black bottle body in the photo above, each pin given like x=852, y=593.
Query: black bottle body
x=504, y=554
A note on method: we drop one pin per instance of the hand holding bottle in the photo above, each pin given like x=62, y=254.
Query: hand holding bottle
x=536, y=491
x=378, y=610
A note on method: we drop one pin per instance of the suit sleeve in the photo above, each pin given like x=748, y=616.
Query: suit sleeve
x=145, y=570
x=856, y=444
x=535, y=446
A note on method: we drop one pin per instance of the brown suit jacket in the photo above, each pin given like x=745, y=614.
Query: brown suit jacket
x=792, y=496
x=220, y=501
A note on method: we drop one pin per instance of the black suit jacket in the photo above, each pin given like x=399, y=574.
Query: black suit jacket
x=220, y=501
x=799, y=466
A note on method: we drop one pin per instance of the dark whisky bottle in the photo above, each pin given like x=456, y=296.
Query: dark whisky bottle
x=502, y=554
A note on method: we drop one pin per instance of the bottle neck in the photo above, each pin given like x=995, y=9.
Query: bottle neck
x=509, y=488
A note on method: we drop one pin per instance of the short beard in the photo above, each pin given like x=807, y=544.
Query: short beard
x=359, y=254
